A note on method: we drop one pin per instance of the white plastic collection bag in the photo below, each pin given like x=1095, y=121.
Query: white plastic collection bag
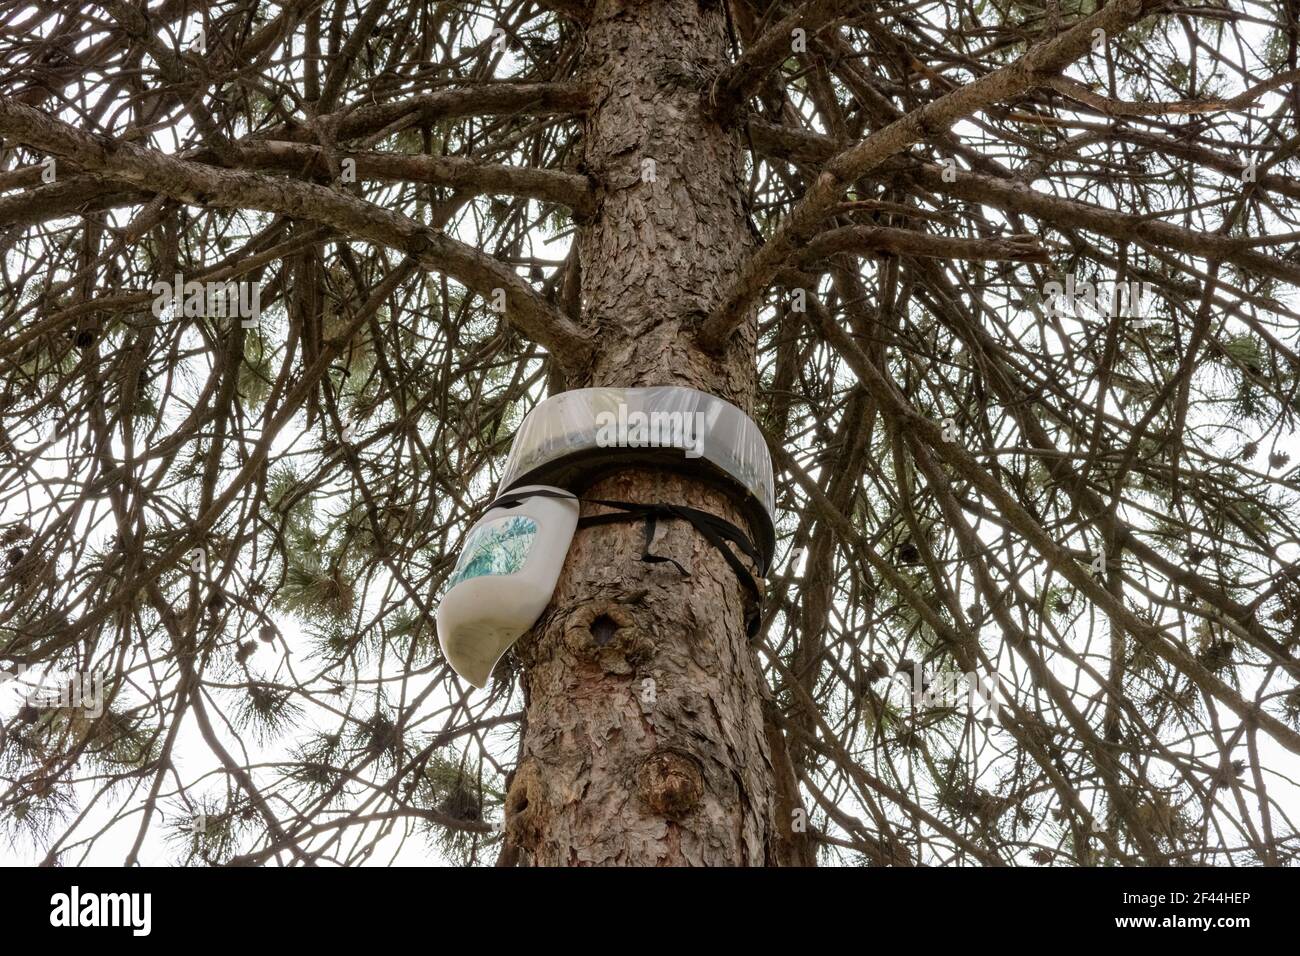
x=504, y=579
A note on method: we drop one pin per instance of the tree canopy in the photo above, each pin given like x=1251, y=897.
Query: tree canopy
x=1026, y=359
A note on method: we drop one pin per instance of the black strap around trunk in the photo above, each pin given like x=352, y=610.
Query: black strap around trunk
x=717, y=531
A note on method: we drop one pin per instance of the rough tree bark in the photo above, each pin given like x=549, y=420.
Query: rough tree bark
x=646, y=741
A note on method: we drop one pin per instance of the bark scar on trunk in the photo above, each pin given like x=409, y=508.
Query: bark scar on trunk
x=671, y=783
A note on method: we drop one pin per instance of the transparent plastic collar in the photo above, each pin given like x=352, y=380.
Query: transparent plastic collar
x=596, y=423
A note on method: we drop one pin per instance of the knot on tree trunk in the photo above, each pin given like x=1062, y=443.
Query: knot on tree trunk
x=523, y=806
x=606, y=632
x=671, y=783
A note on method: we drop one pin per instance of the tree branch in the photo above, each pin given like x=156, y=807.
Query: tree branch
x=907, y=242
x=1009, y=196
x=209, y=186
x=737, y=83
x=1030, y=70
x=547, y=185
x=487, y=99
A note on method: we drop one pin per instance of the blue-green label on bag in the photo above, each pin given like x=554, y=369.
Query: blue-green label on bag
x=498, y=547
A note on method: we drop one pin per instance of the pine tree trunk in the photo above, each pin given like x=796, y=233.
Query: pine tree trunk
x=645, y=739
